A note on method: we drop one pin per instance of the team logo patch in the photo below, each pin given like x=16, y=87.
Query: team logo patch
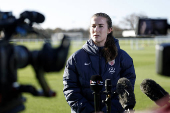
x=111, y=70
x=111, y=62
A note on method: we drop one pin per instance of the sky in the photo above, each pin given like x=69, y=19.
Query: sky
x=68, y=14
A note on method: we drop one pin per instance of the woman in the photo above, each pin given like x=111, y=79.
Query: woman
x=100, y=55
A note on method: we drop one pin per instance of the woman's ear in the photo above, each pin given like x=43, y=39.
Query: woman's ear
x=110, y=30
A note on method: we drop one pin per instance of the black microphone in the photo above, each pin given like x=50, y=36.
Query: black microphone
x=108, y=92
x=96, y=85
x=108, y=85
x=126, y=94
x=33, y=16
x=154, y=91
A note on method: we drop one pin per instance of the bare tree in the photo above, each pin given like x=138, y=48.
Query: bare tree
x=131, y=20
x=117, y=31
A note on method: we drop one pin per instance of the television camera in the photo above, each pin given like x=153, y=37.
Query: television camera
x=13, y=57
x=157, y=27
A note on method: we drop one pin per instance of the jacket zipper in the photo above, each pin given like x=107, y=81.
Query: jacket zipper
x=100, y=62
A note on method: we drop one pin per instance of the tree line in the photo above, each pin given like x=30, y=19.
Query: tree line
x=129, y=22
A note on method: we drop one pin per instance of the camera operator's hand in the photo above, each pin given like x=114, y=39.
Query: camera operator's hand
x=164, y=108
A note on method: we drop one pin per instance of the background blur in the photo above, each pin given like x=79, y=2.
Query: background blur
x=75, y=14
x=72, y=17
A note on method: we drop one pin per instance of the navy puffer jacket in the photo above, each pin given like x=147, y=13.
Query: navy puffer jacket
x=87, y=62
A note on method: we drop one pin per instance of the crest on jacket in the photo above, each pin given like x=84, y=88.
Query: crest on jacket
x=112, y=62
x=111, y=69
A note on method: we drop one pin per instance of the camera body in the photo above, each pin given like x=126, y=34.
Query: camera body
x=12, y=57
x=157, y=27
x=163, y=59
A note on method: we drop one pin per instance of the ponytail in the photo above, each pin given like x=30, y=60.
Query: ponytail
x=109, y=51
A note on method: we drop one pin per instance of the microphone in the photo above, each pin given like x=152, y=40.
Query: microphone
x=125, y=93
x=96, y=85
x=154, y=91
x=108, y=85
x=108, y=92
x=33, y=16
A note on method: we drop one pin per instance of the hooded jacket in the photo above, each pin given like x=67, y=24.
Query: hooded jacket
x=87, y=62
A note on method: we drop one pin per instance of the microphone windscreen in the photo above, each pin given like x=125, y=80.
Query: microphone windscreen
x=39, y=18
x=153, y=90
x=96, y=83
x=33, y=16
x=125, y=93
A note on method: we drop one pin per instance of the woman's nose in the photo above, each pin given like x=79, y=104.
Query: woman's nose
x=96, y=29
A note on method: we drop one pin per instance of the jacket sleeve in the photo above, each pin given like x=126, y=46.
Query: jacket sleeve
x=127, y=68
x=72, y=90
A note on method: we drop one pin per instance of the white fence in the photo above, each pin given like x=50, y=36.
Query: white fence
x=138, y=43
x=134, y=43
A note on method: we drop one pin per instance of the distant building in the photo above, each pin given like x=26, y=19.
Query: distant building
x=128, y=33
x=72, y=35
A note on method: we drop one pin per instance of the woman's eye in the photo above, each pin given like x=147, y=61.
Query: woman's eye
x=100, y=26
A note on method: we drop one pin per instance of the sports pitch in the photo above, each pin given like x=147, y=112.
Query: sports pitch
x=144, y=61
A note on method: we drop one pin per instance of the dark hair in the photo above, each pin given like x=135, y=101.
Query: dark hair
x=110, y=50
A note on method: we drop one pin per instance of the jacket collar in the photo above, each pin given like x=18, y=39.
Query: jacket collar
x=91, y=48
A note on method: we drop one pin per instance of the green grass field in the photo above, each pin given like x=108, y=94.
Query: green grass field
x=144, y=62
